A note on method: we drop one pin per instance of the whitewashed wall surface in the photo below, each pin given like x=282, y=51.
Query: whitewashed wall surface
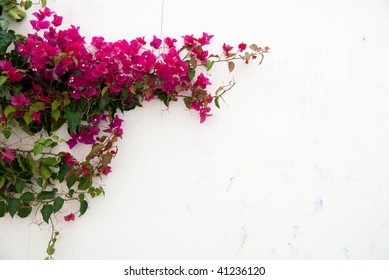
x=295, y=166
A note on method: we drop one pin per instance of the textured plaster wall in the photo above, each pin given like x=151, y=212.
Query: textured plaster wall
x=295, y=167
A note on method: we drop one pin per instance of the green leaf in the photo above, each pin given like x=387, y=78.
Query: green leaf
x=32, y=162
x=43, y=3
x=6, y=40
x=17, y=14
x=124, y=93
x=28, y=4
x=57, y=60
x=46, y=195
x=83, y=207
x=71, y=181
x=209, y=64
x=4, y=24
x=66, y=101
x=100, y=191
x=21, y=162
x=56, y=114
x=63, y=170
x=27, y=197
x=106, y=160
x=104, y=101
x=50, y=251
x=220, y=89
x=38, y=149
x=75, y=60
x=36, y=107
x=104, y=90
x=27, y=118
x=39, y=181
x=191, y=73
x=85, y=183
x=54, y=106
x=49, y=143
x=7, y=132
x=3, y=209
x=19, y=186
x=187, y=102
x=40, y=140
x=139, y=84
x=70, y=193
x=49, y=161
x=9, y=109
x=13, y=206
x=3, y=79
x=95, y=149
x=58, y=203
x=2, y=182
x=73, y=119
x=92, y=192
x=46, y=211
x=217, y=101
x=24, y=211
x=45, y=172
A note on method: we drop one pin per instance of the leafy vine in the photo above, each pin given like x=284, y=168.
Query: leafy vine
x=52, y=79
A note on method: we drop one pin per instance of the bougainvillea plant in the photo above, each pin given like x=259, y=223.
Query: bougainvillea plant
x=52, y=79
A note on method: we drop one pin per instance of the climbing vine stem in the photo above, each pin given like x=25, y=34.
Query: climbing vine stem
x=60, y=95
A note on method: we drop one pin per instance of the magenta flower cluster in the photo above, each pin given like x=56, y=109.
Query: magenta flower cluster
x=117, y=65
x=59, y=80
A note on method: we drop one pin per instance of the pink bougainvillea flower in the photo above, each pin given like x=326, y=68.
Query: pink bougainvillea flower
x=69, y=160
x=156, y=43
x=107, y=170
x=5, y=65
x=36, y=116
x=7, y=155
x=204, y=114
x=72, y=142
x=189, y=40
x=85, y=136
x=227, y=49
x=76, y=94
x=20, y=100
x=170, y=42
x=242, y=47
x=205, y=40
x=57, y=21
x=39, y=25
x=202, y=107
x=43, y=13
x=97, y=118
x=89, y=92
x=115, y=125
x=85, y=170
x=200, y=54
x=97, y=42
x=202, y=81
x=14, y=75
x=70, y=217
x=141, y=40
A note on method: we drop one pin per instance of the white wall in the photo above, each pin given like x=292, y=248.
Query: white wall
x=295, y=167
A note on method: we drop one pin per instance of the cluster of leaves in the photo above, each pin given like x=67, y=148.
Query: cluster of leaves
x=16, y=10
x=52, y=78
